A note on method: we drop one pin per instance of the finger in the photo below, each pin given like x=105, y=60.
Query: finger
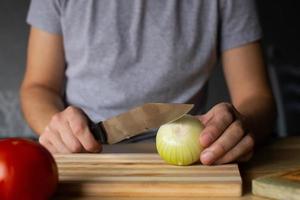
x=88, y=141
x=69, y=139
x=221, y=107
x=244, y=147
x=56, y=140
x=204, y=118
x=47, y=144
x=79, y=127
x=215, y=127
x=85, y=137
x=51, y=148
x=232, y=135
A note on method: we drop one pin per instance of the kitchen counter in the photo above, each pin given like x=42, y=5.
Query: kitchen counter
x=277, y=156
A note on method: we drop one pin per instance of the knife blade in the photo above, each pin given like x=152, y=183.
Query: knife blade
x=136, y=121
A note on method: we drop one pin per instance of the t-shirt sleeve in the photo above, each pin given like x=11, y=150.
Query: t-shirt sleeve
x=45, y=15
x=239, y=23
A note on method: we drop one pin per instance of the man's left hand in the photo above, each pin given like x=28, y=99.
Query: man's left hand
x=225, y=137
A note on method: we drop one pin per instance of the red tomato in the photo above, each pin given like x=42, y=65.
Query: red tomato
x=27, y=170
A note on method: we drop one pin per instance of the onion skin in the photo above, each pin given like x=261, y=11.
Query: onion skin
x=178, y=142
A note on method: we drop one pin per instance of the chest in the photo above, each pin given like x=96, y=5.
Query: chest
x=116, y=24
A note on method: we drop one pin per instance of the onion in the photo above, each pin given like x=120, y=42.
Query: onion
x=178, y=143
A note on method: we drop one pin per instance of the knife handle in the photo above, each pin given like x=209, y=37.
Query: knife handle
x=98, y=132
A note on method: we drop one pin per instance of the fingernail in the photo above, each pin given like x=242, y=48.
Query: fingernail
x=206, y=156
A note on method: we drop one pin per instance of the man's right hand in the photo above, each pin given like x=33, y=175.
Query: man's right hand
x=68, y=132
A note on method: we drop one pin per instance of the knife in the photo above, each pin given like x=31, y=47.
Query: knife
x=136, y=121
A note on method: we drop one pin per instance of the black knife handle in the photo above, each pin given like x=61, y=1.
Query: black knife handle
x=98, y=132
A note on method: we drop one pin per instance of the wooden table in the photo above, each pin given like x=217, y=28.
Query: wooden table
x=279, y=155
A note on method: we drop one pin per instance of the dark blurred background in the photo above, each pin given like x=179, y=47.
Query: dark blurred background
x=280, y=23
x=280, y=20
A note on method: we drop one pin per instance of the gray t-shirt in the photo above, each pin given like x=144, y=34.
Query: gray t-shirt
x=123, y=53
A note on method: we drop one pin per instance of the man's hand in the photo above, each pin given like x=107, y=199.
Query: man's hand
x=225, y=136
x=68, y=132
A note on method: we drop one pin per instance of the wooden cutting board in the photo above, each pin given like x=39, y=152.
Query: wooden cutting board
x=284, y=185
x=142, y=175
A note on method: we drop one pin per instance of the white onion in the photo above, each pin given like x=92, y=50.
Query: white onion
x=178, y=143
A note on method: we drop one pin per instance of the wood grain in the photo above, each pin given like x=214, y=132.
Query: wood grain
x=142, y=175
x=274, y=157
x=285, y=185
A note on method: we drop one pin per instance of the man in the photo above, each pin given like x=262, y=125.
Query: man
x=101, y=58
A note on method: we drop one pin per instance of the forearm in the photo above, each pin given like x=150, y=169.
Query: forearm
x=260, y=113
x=248, y=83
x=39, y=104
